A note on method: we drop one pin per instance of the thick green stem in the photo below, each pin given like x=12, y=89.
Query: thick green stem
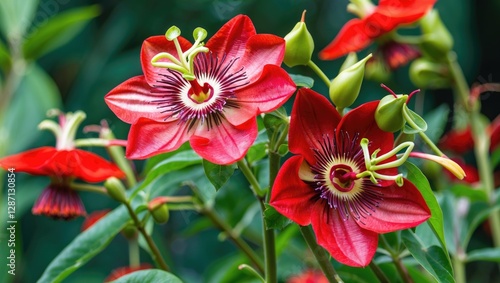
x=403, y=272
x=320, y=254
x=254, y=184
x=156, y=255
x=379, y=273
x=481, y=141
x=240, y=243
x=134, y=253
x=89, y=188
x=459, y=270
x=118, y=155
x=320, y=73
x=271, y=273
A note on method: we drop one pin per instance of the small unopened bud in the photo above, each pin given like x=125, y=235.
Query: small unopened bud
x=299, y=45
x=436, y=39
x=130, y=231
x=389, y=113
x=159, y=210
x=345, y=87
x=444, y=161
x=427, y=74
x=115, y=189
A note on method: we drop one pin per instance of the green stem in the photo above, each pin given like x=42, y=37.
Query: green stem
x=379, y=273
x=403, y=272
x=252, y=271
x=89, y=188
x=320, y=254
x=459, y=270
x=118, y=155
x=156, y=255
x=318, y=72
x=481, y=141
x=269, y=249
x=134, y=253
x=241, y=244
x=429, y=143
x=254, y=184
x=274, y=166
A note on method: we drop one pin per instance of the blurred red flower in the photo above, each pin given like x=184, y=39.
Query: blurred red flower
x=320, y=185
x=122, y=271
x=308, y=276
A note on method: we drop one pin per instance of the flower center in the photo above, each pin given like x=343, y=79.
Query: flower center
x=200, y=94
x=342, y=177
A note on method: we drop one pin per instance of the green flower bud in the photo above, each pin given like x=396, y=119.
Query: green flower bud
x=115, y=189
x=344, y=88
x=430, y=75
x=389, y=113
x=130, y=231
x=351, y=59
x=436, y=40
x=159, y=210
x=299, y=45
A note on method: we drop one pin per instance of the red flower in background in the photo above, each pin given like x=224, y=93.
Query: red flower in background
x=236, y=80
x=58, y=200
x=321, y=184
x=122, y=271
x=357, y=34
x=308, y=276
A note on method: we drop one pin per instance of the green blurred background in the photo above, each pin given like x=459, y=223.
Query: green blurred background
x=105, y=52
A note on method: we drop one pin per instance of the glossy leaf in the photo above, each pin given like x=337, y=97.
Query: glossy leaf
x=276, y=122
x=85, y=246
x=419, y=123
x=420, y=181
x=16, y=16
x=218, y=175
x=148, y=276
x=274, y=220
x=433, y=258
x=436, y=120
x=57, y=31
x=259, y=148
x=302, y=81
x=489, y=254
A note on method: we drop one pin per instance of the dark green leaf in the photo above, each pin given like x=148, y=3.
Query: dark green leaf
x=218, y=174
x=495, y=157
x=478, y=213
x=463, y=190
x=436, y=120
x=489, y=254
x=16, y=17
x=85, y=246
x=420, y=181
x=154, y=160
x=433, y=258
x=4, y=56
x=276, y=123
x=283, y=150
x=148, y=276
x=274, y=220
x=259, y=148
x=57, y=31
x=302, y=81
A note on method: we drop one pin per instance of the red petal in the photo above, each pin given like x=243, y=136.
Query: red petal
x=224, y=144
x=261, y=50
x=458, y=141
x=361, y=120
x=401, y=208
x=132, y=100
x=399, y=12
x=147, y=138
x=313, y=116
x=269, y=92
x=87, y=166
x=93, y=218
x=59, y=202
x=31, y=161
x=292, y=197
x=231, y=39
x=353, y=37
x=122, y=271
x=346, y=241
x=154, y=45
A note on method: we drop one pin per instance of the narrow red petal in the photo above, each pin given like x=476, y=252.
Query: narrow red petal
x=31, y=161
x=232, y=37
x=92, y=218
x=401, y=208
x=147, y=138
x=402, y=12
x=59, y=202
x=313, y=116
x=261, y=50
x=346, y=241
x=89, y=167
x=353, y=37
x=151, y=47
x=133, y=99
x=273, y=88
x=292, y=197
x=224, y=144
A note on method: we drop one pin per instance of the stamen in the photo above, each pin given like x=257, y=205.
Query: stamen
x=389, y=90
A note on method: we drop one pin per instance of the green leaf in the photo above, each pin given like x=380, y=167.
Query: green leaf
x=436, y=120
x=302, y=81
x=274, y=220
x=276, y=123
x=420, y=181
x=463, y=190
x=259, y=148
x=419, y=122
x=433, y=258
x=4, y=56
x=154, y=160
x=495, y=157
x=148, y=276
x=489, y=254
x=85, y=246
x=57, y=31
x=218, y=174
x=16, y=17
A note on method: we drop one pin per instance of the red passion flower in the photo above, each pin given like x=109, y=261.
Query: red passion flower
x=208, y=94
x=122, y=271
x=58, y=200
x=357, y=34
x=327, y=183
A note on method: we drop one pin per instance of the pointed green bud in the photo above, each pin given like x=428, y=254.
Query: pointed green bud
x=299, y=45
x=389, y=113
x=427, y=74
x=159, y=210
x=115, y=189
x=351, y=59
x=130, y=231
x=345, y=88
x=436, y=39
